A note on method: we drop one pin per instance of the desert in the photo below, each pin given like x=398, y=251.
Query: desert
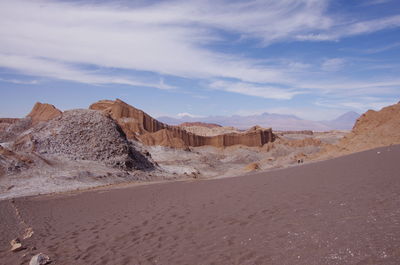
x=187, y=132
x=86, y=186
x=340, y=211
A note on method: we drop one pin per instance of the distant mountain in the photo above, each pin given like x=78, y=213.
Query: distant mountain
x=273, y=120
x=344, y=122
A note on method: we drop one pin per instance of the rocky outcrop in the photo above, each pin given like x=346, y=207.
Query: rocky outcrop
x=133, y=121
x=373, y=129
x=6, y=122
x=11, y=162
x=43, y=112
x=83, y=135
x=40, y=259
x=252, y=167
x=138, y=125
x=213, y=131
x=11, y=128
x=301, y=142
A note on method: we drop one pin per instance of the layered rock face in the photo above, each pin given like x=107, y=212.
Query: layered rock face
x=373, y=129
x=209, y=131
x=6, y=122
x=138, y=125
x=43, y=112
x=10, y=131
x=83, y=135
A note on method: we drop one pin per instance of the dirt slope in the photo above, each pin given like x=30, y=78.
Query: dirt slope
x=373, y=129
x=341, y=211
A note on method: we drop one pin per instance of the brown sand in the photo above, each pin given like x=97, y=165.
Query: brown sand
x=341, y=211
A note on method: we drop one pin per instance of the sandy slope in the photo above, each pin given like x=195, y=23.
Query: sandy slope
x=341, y=211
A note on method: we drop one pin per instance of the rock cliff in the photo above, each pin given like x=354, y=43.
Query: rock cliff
x=140, y=126
x=43, y=112
x=373, y=129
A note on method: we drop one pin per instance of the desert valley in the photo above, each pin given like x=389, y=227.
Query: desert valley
x=189, y=132
x=291, y=183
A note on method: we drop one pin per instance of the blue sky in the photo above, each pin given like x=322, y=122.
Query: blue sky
x=313, y=58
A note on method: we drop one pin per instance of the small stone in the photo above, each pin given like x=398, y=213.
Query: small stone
x=16, y=245
x=40, y=259
x=28, y=233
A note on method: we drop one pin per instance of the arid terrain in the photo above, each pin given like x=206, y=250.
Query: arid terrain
x=292, y=204
x=340, y=211
x=113, y=142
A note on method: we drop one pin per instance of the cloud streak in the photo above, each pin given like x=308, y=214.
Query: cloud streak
x=55, y=39
x=251, y=89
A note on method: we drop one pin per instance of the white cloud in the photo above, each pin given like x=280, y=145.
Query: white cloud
x=271, y=92
x=383, y=48
x=54, y=39
x=164, y=38
x=186, y=114
x=375, y=2
x=48, y=68
x=333, y=64
x=360, y=105
x=343, y=29
x=20, y=82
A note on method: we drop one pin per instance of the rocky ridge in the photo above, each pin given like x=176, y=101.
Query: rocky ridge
x=140, y=126
x=373, y=129
x=83, y=135
x=43, y=112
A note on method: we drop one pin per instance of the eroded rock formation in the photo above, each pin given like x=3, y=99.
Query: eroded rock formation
x=6, y=122
x=83, y=135
x=11, y=161
x=138, y=125
x=373, y=129
x=43, y=112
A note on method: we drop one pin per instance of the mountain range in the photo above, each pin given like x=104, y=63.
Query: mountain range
x=273, y=120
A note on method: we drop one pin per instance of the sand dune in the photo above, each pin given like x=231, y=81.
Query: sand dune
x=341, y=211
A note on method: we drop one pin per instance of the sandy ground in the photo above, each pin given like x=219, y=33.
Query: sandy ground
x=341, y=211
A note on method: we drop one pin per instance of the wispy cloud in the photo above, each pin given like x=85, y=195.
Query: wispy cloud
x=342, y=30
x=251, y=89
x=20, y=82
x=383, y=48
x=55, y=38
x=186, y=114
x=165, y=38
x=359, y=105
x=48, y=68
x=375, y=2
x=333, y=64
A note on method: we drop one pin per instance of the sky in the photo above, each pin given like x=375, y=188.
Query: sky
x=316, y=59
